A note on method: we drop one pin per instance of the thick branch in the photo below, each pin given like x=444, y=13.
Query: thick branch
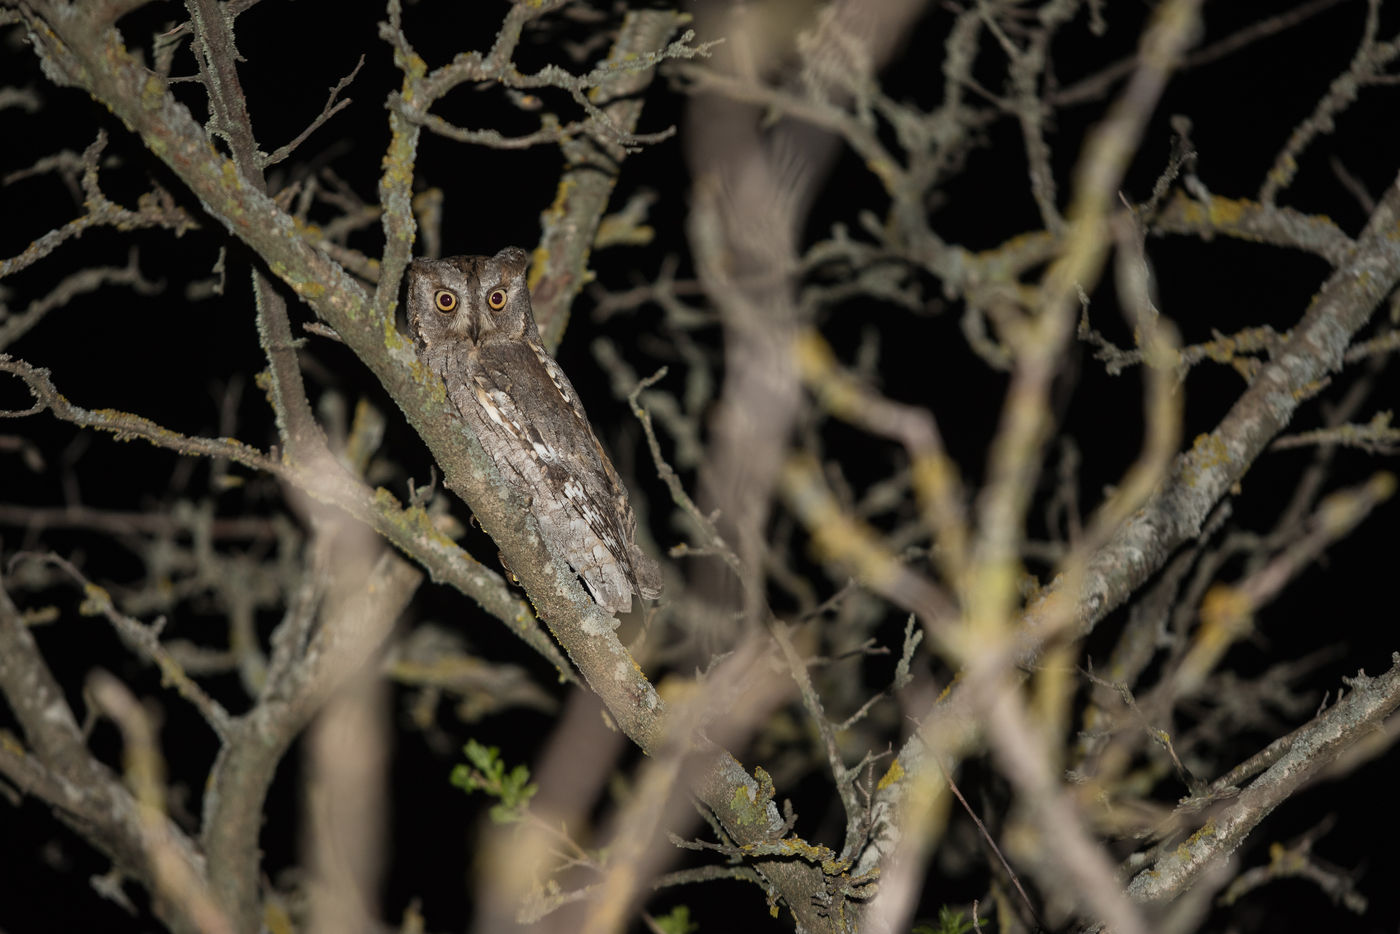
x=571, y=223
x=68, y=777
x=1312, y=750
x=1198, y=480
x=1219, y=460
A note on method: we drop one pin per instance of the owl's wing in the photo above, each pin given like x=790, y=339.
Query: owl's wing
x=642, y=568
x=526, y=397
x=566, y=392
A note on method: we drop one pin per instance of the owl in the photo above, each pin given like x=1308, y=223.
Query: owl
x=473, y=325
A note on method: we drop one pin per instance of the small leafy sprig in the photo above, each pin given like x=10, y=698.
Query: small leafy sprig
x=950, y=921
x=486, y=772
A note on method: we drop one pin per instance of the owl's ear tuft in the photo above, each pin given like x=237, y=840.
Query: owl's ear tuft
x=515, y=259
x=418, y=269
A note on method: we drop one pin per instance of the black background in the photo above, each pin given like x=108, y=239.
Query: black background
x=172, y=360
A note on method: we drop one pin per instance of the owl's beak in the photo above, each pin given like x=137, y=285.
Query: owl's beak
x=474, y=328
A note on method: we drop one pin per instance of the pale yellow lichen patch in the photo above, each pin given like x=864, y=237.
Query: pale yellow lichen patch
x=276, y=919
x=1207, y=451
x=1283, y=173
x=414, y=66
x=933, y=475
x=386, y=500
x=309, y=230
x=1223, y=609
x=10, y=744
x=615, y=230
x=893, y=774
x=308, y=289
x=1207, y=830
x=1228, y=212
x=1226, y=615
x=751, y=806
x=1310, y=389
x=152, y=93
x=230, y=174
x=538, y=260
x=885, y=171
x=948, y=690
x=817, y=364
x=96, y=600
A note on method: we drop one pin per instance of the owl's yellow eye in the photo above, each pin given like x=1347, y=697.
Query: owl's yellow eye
x=497, y=299
x=445, y=301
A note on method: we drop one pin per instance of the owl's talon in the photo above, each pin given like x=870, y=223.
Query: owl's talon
x=510, y=575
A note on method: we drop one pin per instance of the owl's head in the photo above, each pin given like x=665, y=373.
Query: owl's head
x=480, y=299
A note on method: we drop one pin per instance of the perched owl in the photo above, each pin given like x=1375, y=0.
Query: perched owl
x=473, y=326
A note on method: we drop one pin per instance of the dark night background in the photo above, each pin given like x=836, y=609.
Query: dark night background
x=173, y=360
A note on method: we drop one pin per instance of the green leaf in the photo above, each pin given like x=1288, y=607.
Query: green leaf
x=950, y=921
x=677, y=921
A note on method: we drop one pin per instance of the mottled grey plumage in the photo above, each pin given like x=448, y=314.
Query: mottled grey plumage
x=473, y=326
